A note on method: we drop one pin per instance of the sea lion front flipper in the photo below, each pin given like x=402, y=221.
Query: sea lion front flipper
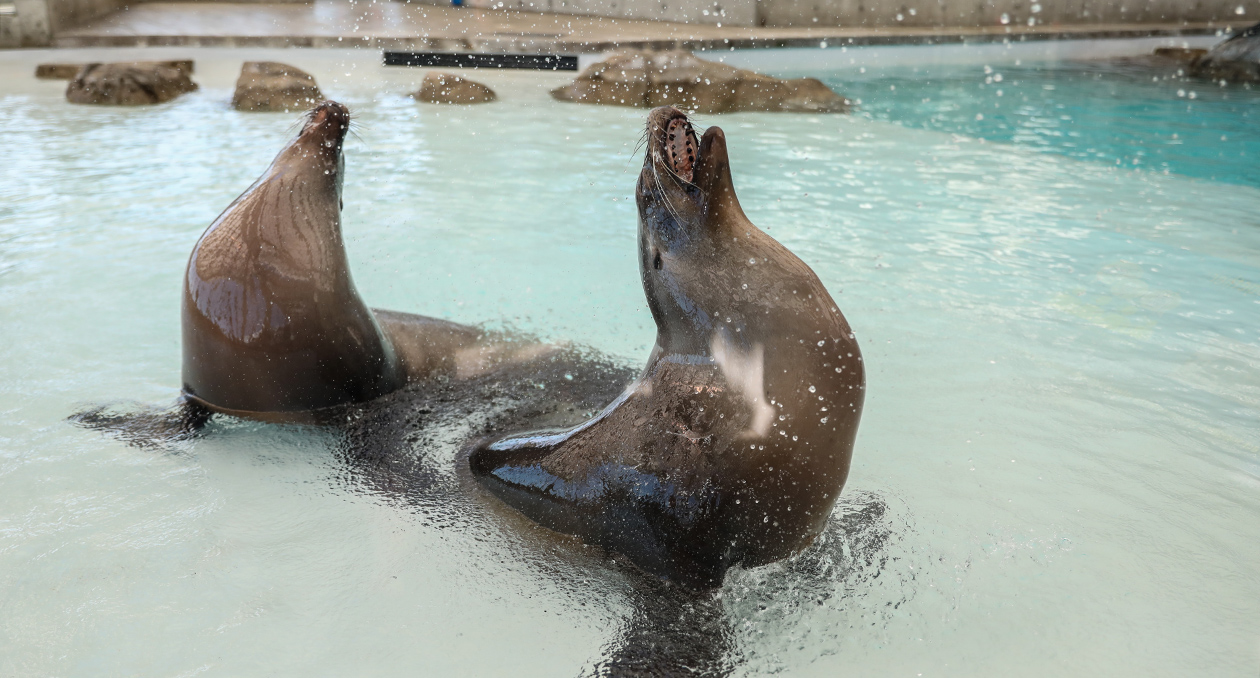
x=513, y=468
x=661, y=525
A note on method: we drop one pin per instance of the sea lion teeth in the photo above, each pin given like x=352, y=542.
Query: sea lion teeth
x=681, y=148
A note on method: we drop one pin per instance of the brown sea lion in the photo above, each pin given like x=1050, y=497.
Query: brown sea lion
x=273, y=327
x=735, y=441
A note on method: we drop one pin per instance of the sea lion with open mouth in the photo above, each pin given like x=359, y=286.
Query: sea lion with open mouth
x=273, y=327
x=735, y=441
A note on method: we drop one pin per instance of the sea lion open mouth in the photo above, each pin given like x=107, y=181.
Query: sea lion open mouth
x=681, y=148
x=674, y=143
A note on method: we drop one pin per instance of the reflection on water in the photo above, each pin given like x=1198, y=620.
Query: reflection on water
x=1056, y=471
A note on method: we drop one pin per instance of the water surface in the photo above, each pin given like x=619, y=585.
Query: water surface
x=1057, y=471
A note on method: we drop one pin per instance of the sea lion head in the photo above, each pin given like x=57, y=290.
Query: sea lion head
x=686, y=182
x=317, y=148
x=688, y=211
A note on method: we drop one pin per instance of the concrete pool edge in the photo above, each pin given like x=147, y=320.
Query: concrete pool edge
x=438, y=28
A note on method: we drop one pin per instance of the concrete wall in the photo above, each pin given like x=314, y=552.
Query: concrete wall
x=37, y=21
x=892, y=13
x=725, y=12
x=67, y=13
x=924, y=13
x=29, y=26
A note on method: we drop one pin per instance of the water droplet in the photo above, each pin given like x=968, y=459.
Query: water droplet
x=811, y=388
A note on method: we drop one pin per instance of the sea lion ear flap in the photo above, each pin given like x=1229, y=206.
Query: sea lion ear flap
x=713, y=176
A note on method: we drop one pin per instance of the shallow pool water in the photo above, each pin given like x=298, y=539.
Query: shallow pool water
x=1057, y=471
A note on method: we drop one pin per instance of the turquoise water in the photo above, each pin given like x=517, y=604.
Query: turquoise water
x=1057, y=472
x=1104, y=112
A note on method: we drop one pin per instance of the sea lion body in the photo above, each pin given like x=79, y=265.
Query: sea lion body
x=736, y=440
x=273, y=327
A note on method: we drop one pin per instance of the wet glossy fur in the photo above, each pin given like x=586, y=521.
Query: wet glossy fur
x=735, y=441
x=273, y=327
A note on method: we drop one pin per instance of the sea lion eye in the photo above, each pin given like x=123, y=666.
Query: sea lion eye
x=656, y=261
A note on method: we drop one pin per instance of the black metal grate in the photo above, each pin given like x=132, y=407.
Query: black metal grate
x=538, y=62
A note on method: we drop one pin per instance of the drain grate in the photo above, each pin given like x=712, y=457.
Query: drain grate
x=538, y=62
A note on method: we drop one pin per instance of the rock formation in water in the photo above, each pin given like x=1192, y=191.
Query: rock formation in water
x=445, y=88
x=69, y=71
x=130, y=84
x=270, y=86
x=1235, y=60
x=647, y=79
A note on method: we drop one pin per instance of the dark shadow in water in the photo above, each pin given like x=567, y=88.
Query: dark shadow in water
x=403, y=445
x=671, y=631
x=146, y=426
x=403, y=448
x=675, y=632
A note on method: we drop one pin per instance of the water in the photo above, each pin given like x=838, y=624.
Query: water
x=1057, y=472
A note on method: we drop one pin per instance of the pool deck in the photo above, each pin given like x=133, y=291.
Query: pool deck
x=401, y=26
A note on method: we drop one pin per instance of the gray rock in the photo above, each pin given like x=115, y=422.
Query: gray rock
x=647, y=79
x=271, y=86
x=129, y=84
x=445, y=88
x=1235, y=60
x=69, y=71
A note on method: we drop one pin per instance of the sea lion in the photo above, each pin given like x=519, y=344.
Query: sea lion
x=735, y=441
x=273, y=327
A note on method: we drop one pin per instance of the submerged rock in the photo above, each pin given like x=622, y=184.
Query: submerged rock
x=1235, y=60
x=129, y=84
x=445, y=88
x=271, y=86
x=1179, y=54
x=647, y=79
x=69, y=71
x=57, y=71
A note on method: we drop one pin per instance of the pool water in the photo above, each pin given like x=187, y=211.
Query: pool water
x=1126, y=114
x=1057, y=471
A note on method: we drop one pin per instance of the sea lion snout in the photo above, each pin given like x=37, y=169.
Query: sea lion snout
x=330, y=120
